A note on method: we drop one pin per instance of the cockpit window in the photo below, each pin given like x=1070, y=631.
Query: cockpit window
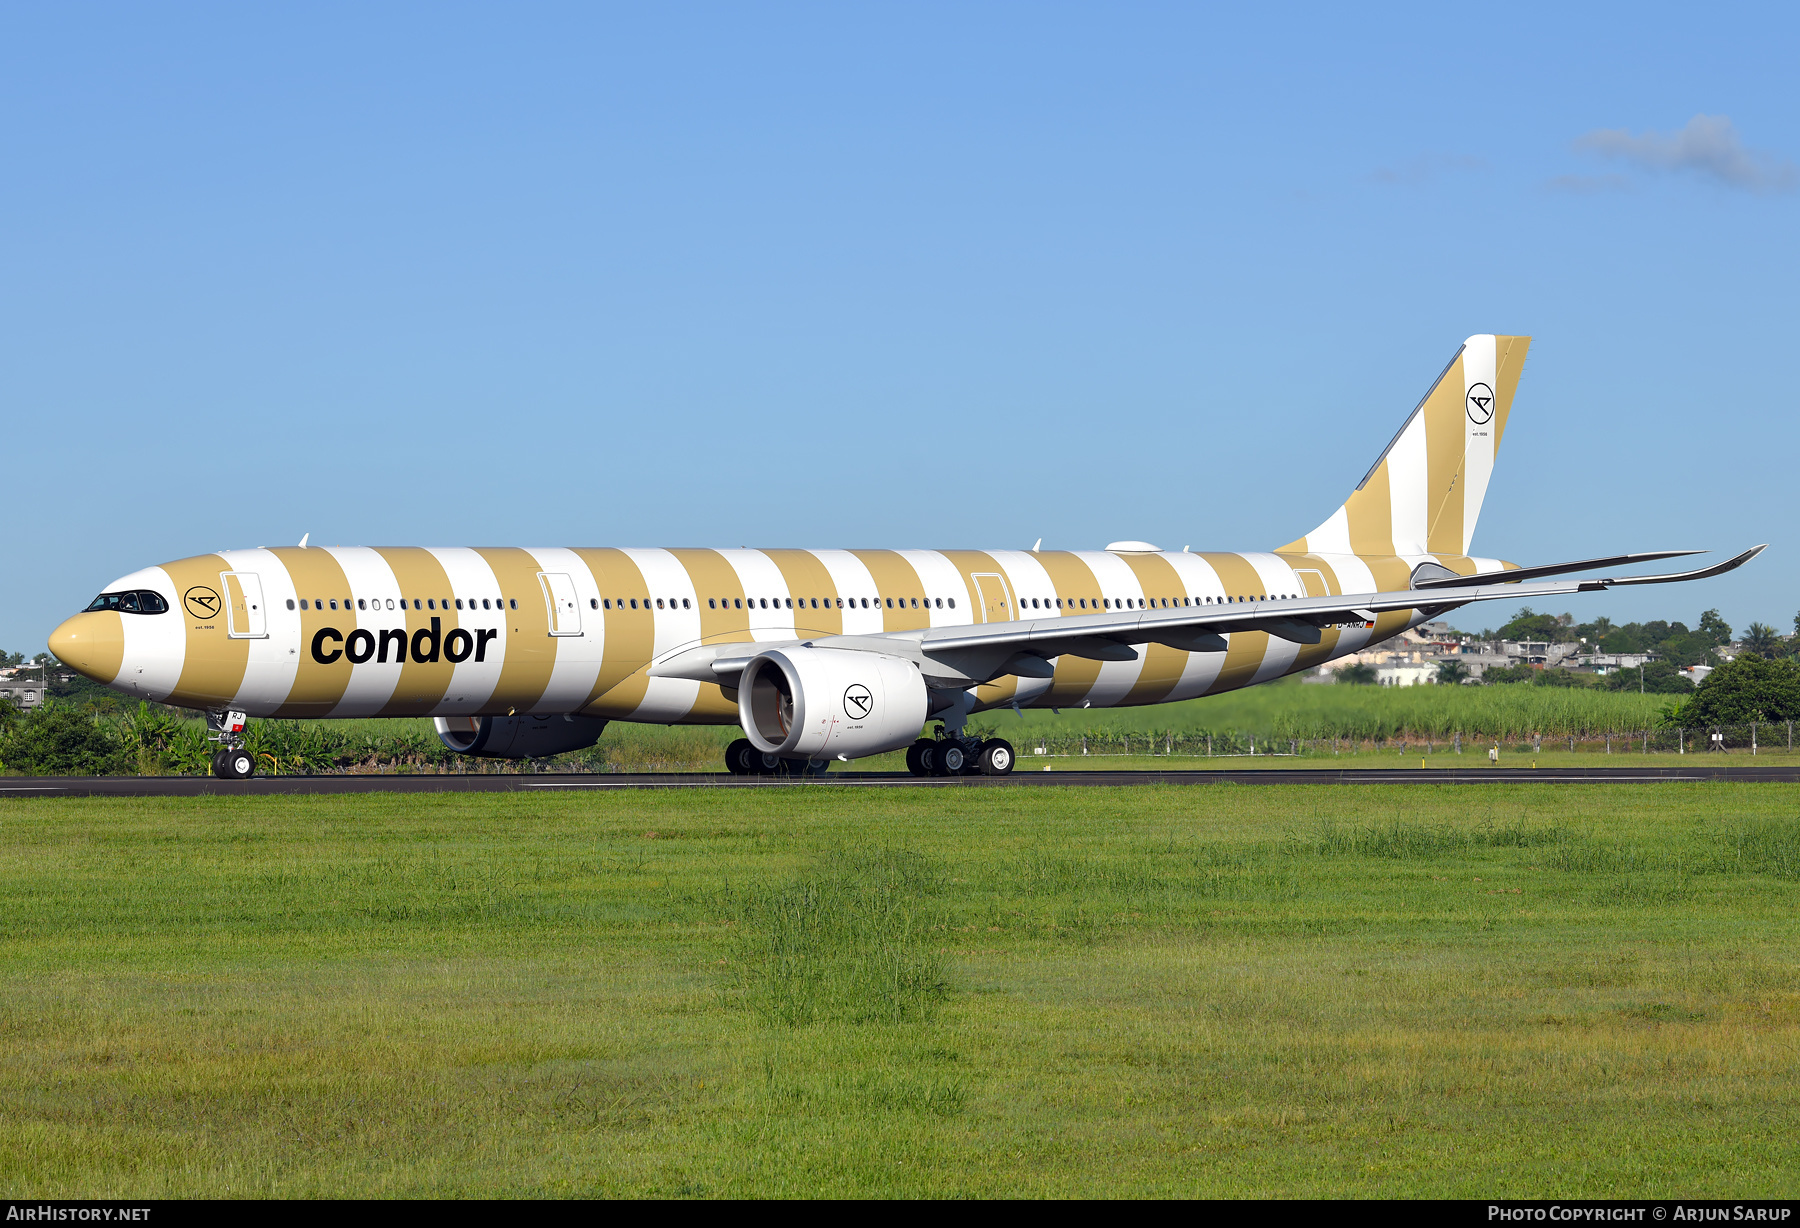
x=141, y=602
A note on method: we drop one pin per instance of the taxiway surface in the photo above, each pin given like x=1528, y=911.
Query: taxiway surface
x=267, y=786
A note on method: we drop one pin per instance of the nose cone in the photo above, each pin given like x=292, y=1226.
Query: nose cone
x=93, y=643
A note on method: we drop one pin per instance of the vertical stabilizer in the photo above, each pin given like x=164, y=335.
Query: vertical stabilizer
x=1424, y=493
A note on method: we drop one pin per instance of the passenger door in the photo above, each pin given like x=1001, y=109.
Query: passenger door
x=245, y=618
x=996, y=601
x=560, y=601
x=1314, y=582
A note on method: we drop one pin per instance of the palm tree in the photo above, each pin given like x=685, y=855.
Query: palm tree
x=1761, y=639
x=1450, y=673
x=1364, y=674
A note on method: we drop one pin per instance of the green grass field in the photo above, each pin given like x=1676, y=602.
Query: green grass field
x=1465, y=991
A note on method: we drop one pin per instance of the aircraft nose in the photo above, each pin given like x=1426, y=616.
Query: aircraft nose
x=93, y=644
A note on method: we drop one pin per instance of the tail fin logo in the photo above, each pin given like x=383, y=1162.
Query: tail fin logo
x=1481, y=404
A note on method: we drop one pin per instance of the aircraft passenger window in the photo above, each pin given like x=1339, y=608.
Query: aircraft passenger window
x=634, y=603
x=361, y=603
x=953, y=603
x=712, y=603
x=303, y=604
x=659, y=604
x=915, y=602
x=684, y=603
x=737, y=603
x=290, y=603
x=593, y=603
x=789, y=602
x=515, y=603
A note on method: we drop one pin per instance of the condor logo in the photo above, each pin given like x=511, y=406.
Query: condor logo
x=428, y=644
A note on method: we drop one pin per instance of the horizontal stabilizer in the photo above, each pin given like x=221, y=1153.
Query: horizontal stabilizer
x=1443, y=577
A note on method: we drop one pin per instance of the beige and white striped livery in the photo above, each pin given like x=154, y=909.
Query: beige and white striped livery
x=522, y=651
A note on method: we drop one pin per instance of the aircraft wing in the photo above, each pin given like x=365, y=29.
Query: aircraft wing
x=979, y=653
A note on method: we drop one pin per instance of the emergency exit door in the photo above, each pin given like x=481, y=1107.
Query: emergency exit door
x=996, y=601
x=560, y=602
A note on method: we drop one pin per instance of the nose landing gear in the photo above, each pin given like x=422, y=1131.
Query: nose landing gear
x=231, y=761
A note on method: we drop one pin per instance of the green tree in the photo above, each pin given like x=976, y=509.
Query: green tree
x=1688, y=648
x=1451, y=673
x=1751, y=688
x=1361, y=675
x=1714, y=628
x=1762, y=639
x=1527, y=624
x=1659, y=678
x=58, y=740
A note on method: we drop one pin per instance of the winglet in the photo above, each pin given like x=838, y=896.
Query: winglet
x=303, y=538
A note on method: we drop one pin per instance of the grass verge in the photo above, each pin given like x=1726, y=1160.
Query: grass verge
x=1454, y=991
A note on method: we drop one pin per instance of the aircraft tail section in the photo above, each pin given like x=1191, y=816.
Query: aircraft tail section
x=1424, y=493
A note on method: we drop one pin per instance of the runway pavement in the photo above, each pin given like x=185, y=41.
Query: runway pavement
x=265, y=786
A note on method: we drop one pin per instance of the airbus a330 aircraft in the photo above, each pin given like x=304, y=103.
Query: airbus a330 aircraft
x=819, y=655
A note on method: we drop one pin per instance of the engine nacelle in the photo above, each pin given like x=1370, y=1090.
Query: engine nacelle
x=518, y=737
x=819, y=703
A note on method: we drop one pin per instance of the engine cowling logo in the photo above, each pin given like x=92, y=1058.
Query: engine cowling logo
x=201, y=602
x=858, y=701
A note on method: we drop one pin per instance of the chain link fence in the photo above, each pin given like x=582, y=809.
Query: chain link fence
x=1751, y=739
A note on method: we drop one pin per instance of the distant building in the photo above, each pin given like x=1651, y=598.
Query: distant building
x=1696, y=674
x=1407, y=673
x=23, y=693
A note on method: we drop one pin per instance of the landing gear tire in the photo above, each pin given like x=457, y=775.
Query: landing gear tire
x=949, y=759
x=918, y=757
x=742, y=758
x=234, y=765
x=995, y=757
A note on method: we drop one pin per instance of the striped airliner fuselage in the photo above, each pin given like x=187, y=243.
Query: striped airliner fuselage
x=408, y=631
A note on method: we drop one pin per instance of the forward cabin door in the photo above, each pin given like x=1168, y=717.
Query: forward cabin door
x=560, y=601
x=245, y=618
x=996, y=601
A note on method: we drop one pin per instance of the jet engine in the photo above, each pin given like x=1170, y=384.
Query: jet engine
x=820, y=703
x=518, y=737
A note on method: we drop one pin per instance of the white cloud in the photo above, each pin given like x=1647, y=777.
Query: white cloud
x=1708, y=146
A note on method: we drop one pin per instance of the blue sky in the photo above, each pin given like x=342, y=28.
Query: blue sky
x=958, y=275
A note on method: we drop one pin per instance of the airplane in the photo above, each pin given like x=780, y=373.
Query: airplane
x=819, y=655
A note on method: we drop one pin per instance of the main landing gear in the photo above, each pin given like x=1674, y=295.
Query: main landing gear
x=956, y=756
x=231, y=761
x=743, y=759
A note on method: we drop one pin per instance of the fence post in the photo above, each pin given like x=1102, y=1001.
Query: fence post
x=1209, y=746
x=1609, y=741
x=1537, y=743
x=1253, y=745
x=1752, y=737
x=1680, y=740
x=1084, y=743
